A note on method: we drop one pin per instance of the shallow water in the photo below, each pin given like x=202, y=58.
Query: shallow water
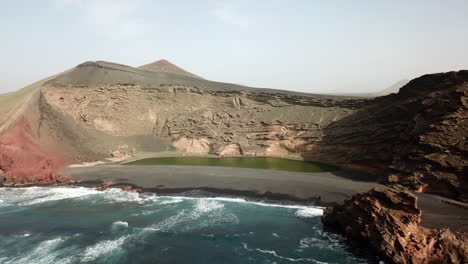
x=82, y=225
x=256, y=163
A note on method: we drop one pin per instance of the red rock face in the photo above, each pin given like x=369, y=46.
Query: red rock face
x=387, y=221
x=25, y=162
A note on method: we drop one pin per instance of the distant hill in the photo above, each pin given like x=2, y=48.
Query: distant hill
x=395, y=88
x=98, y=73
x=392, y=89
x=168, y=67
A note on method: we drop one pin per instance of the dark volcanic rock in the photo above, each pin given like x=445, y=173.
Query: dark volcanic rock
x=387, y=221
x=417, y=135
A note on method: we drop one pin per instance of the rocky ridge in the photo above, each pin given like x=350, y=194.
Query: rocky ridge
x=418, y=135
x=388, y=222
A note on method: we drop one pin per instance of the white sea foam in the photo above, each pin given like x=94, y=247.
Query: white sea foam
x=119, y=196
x=273, y=253
x=119, y=225
x=308, y=242
x=44, y=253
x=316, y=209
x=205, y=206
x=244, y=234
x=206, y=212
x=275, y=234
x=168, y=223
x=35, y=195
x=103, y=248
x=161, y=201
x=309, y=212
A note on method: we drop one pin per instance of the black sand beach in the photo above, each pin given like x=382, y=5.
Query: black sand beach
x=321, y=189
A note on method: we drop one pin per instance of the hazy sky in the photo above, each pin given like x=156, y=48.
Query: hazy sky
x=312, y=46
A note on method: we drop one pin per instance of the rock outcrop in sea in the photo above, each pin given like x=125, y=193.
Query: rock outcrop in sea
x=388, y=222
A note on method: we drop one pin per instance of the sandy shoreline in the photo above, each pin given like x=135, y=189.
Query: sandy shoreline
x=321, y=189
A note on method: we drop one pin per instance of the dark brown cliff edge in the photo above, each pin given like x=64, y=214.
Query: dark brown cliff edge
x=388, y=222
x=418, y=136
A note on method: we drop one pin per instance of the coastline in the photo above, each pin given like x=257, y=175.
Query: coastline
x=321, y=189
x=313, y=189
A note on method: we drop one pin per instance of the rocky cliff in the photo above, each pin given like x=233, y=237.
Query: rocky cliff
x=413, y=139
x=192, y=114
x=387, y=221
x=418, y=136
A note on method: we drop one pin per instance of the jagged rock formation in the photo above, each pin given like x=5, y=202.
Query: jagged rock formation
x=387, y=221
x=418, y=136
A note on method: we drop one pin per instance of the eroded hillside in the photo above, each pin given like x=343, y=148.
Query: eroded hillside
x=192, y=114
x=414, y=139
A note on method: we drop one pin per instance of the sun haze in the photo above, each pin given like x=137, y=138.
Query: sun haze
x=308, y=46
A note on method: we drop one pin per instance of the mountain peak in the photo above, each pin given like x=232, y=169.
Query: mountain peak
x=168, y=67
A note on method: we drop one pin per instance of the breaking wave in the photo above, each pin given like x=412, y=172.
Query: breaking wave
x=103, y=248
x=274, y=254
x=83, y=225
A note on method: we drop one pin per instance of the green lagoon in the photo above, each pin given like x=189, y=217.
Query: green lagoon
x=254, y=163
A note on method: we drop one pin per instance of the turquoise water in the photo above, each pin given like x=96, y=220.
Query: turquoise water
x=256, y=163
x=82, y=225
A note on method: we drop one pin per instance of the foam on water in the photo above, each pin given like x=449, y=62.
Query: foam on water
x=207, y=212
x=242, y=200
x=205, y=206
x=119, y=225
x=168, y=223
x=162, y=201
x=109, y=226
x=309, y=212
x=37, y=195
x=273, y=253
x=44, y=253
x=103, y=248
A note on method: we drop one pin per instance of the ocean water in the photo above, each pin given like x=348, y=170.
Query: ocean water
x=82, y=225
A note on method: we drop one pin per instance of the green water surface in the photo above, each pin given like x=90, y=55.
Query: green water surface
x=255, y=163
